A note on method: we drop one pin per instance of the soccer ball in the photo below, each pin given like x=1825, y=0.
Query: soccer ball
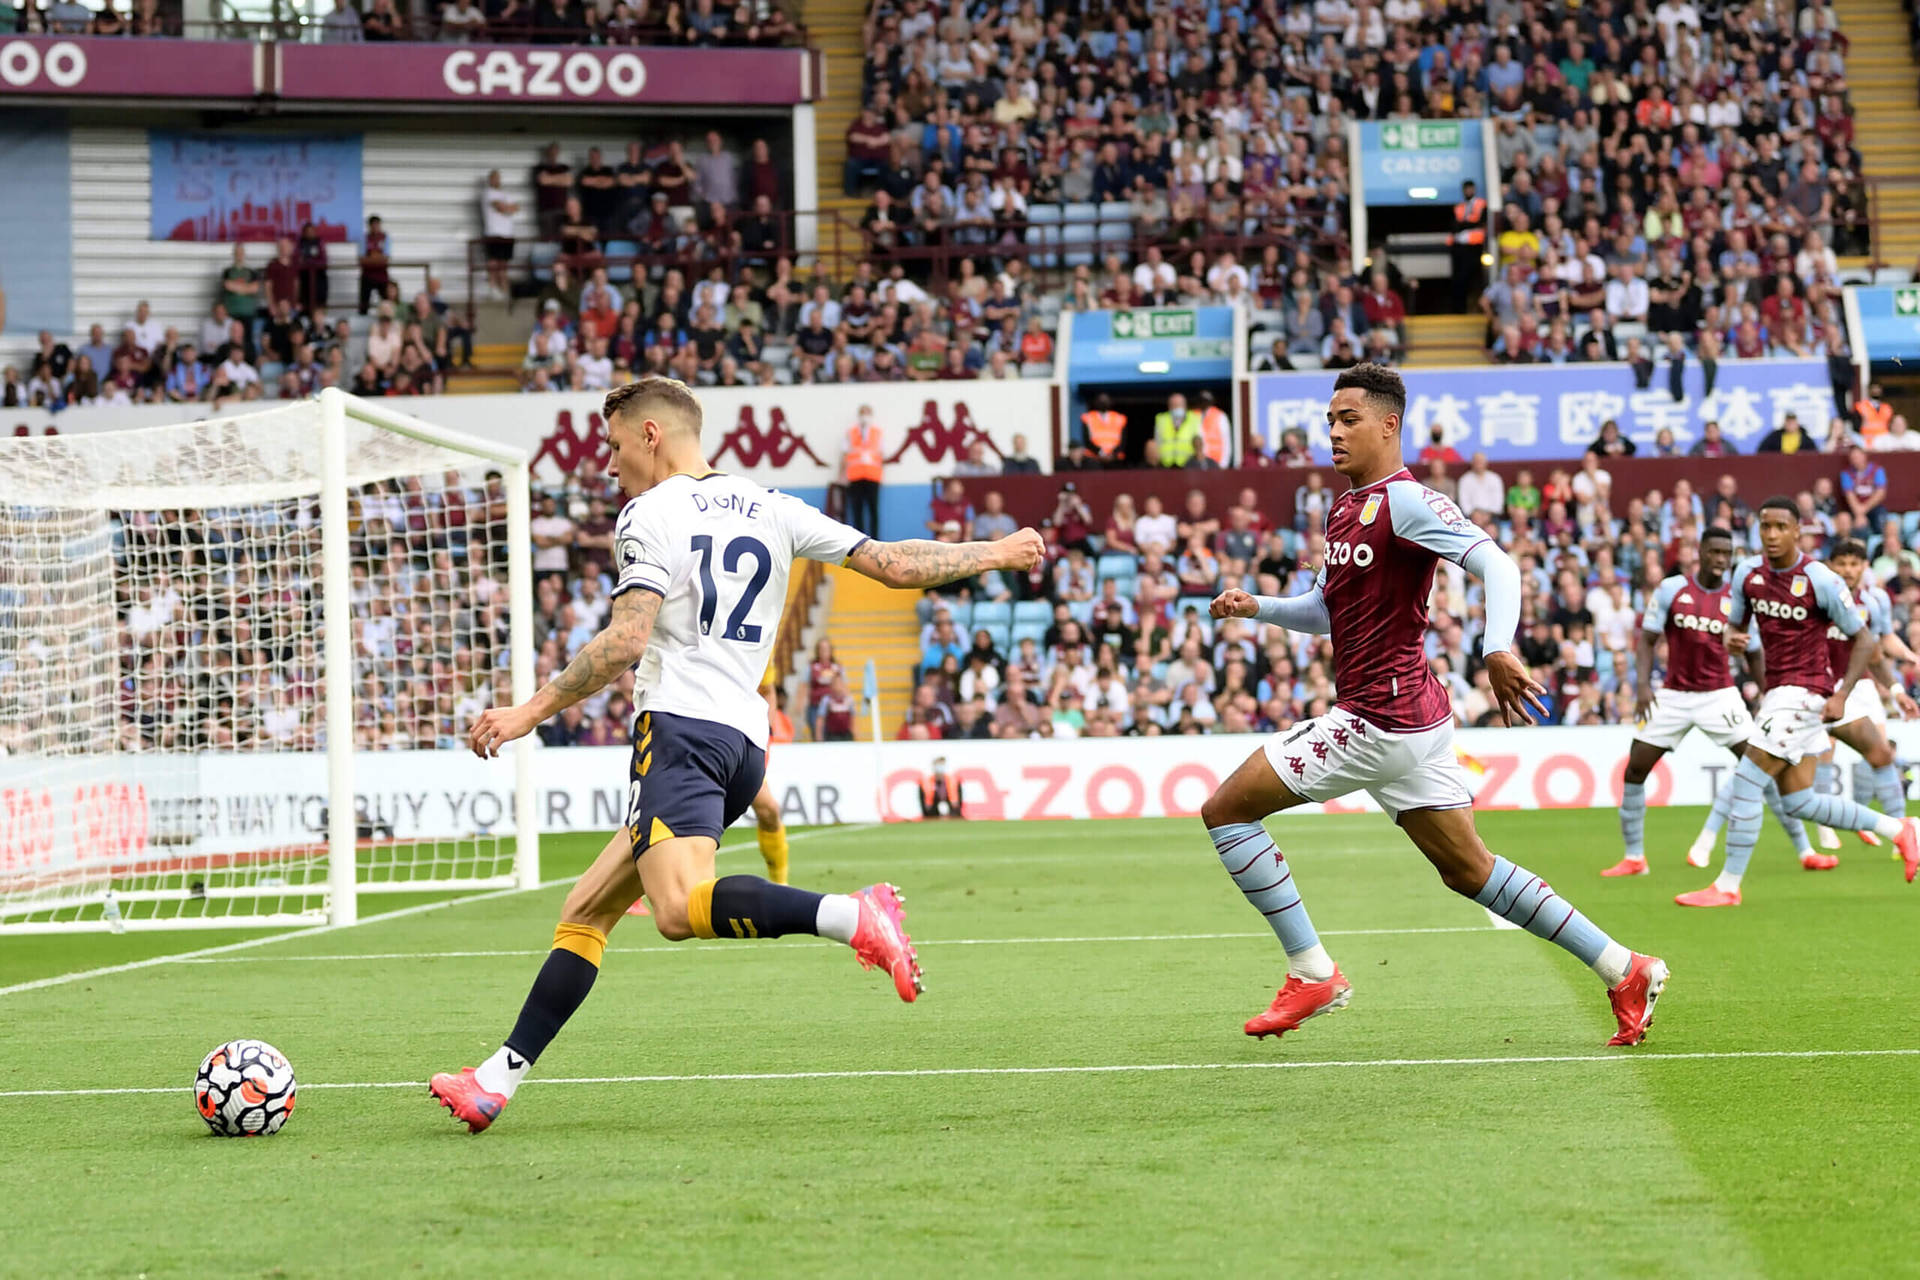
x=244, y=1089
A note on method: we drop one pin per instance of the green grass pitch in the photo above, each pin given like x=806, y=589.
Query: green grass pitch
x=1459, y=1119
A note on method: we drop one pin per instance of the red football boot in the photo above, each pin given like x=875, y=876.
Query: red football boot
x=1811, y=861
x=1633, y=998
x=1869, y=838
x=1628, y=867
x=462, y=1095
x=1907, y=844
x=1299, y=1000
x=881, y=941
x=1709, y=897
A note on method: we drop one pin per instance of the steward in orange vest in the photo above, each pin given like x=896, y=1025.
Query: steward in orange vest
x=1105, y=425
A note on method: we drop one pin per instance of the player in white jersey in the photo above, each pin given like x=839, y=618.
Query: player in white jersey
x=702, y=561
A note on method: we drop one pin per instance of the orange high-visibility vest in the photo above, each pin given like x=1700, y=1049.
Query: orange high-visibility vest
x=1215, y=426
x=863, y=454
x=1875, y=419
x=1469, y=221
x=1103, y=429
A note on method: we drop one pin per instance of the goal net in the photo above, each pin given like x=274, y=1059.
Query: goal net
x=237, y=661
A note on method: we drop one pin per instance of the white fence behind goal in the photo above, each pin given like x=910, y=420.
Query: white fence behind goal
x=255, y=608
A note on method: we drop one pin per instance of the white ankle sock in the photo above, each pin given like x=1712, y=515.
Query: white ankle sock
x=837, y=918
x=1610, y=966
x=1311, y=965
x=1888, y=826
x=1727, y=882
x=503, y=1072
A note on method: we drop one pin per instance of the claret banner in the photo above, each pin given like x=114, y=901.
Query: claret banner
x=550, y=75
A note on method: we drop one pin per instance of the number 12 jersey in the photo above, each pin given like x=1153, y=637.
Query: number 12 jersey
x=717, y=550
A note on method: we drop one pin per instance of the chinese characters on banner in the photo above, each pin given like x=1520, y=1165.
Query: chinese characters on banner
x=1555, y=411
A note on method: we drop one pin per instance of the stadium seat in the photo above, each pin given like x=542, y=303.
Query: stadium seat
x=1087, y=214
x=1116, y=225
x=1199, y=602
x=962, y=614
x=1081, y=611
x=1037, y=632
x=991, y=614
x=621, y=272
x=1002, y=635
x=1909, y=527
x=1033, y=611
x=545, y=254
x=1043, y=229
x=1036, y=369
x=1079, y=234
x=1117, y=564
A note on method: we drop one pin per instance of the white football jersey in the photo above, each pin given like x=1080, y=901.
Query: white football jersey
x=718, y=551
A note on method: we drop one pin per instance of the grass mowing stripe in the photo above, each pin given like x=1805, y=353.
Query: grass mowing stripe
x=1114, y=1069
x=248, y=944
x=673, y=949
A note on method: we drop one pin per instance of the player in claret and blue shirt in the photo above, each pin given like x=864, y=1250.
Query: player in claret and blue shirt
x=1794, y=600
x=1690, y=611
x=1390, y=732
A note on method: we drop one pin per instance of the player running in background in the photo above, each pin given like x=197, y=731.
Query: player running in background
x=1390, y=731
x=1699, y=693
x=1794, y=600
x=702, y=561
x=1863, y=725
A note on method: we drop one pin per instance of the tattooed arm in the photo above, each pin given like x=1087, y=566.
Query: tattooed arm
x=598, y=664
x=918, y=563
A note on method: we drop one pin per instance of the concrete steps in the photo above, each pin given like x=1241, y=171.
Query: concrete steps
x=1434, y=341
x=838, y=29
x=867, y=620
x=1884, y=86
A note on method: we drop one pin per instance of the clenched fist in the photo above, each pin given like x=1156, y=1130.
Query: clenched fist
x=1233, y=603
x=1024, y=549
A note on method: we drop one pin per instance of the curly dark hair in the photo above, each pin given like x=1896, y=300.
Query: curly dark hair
x=1381, y=384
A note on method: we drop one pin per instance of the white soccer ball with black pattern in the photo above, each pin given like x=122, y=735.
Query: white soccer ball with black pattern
x=244, y=1089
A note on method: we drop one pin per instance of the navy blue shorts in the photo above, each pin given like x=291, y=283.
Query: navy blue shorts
x=688, y=778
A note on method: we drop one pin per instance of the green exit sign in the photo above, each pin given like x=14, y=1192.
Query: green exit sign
x=1420, y=135
x=1154, y=324
x=1906, y=301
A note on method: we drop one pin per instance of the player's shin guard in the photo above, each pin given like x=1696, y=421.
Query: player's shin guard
x=1839, y=813
x=749, y=907
x=1890, y=789
x=1633, y=819
x=773, y=852
x=1515, y=894
x=1748, y=794
x=1264, y=876
x=563, y=983
x=1796, y=830
x=1864, y=789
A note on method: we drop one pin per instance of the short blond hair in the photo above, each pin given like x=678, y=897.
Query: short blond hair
x=650, y=396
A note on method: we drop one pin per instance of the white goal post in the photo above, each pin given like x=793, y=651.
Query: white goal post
x=238, y=658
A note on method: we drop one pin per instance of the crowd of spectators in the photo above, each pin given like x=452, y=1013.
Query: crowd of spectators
x=1662, y=169
x=1112, y=636
x=269, y=334
x=636, y=286
x=1678, y=180
x=620, y=22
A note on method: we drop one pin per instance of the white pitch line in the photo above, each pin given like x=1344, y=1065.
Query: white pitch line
x=918, y=942
x=248, y=944
x=914, y=1073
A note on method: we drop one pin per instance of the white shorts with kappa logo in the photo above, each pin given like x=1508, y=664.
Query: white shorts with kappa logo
x=1331, y=755
x=1721, y=714
x=1788, y=725
x=1864, y=703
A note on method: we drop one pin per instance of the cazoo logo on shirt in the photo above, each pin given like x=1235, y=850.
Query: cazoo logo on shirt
x=1694, y=622
x=1354, y=553
x=1780, y=609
